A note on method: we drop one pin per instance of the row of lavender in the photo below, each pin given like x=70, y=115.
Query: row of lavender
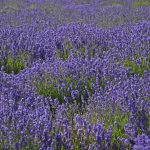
x=102, y=13
x=74, y=87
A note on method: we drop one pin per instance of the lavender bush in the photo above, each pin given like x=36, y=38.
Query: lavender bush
x=75, y=75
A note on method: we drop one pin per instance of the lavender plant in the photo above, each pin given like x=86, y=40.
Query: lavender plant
x=67, y=83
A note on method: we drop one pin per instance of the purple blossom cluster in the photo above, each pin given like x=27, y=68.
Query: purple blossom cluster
x=73, y=85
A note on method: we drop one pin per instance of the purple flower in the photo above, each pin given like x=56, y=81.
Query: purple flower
x=75, y=94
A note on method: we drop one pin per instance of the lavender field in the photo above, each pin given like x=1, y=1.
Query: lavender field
x=74, y=74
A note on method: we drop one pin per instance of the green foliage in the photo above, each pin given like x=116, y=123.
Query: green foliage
x=9, y=6
x=116, y=119
x=47, y=90
x=83, y=2
x=12, y=65
x=63, y=54
x=118, y=128
x=32, y=6
x=137, y=69
x=79, y=49
x=90, y=52
x=141, y=3
x=49, y=7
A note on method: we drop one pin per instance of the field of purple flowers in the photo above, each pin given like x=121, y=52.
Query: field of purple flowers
x=74, y=74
